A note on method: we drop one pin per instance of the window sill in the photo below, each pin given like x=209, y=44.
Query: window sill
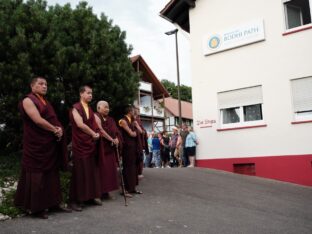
x=297, y=29
x=301, y=122
x=238, y=128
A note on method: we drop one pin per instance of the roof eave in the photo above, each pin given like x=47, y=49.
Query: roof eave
x=163, y=91
x=177, y=11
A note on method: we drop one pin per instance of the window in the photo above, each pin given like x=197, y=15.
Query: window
x=245, y=168
x=253, y=112
x=170, y=123
x=231, y=115
x=302, y=98
x=241, y=107
x=297, y=13
x=173, y=121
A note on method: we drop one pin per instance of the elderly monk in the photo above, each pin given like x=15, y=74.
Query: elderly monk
x=107, y=149
x=44, y=153
x=85, y=183
x=130, y=151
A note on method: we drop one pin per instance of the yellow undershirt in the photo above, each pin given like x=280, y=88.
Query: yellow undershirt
x=41, y=99
x=119, y=122
x=86, y=108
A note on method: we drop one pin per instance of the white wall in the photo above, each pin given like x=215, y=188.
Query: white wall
x=271, y=63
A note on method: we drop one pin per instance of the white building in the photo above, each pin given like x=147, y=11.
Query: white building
x=252, y=84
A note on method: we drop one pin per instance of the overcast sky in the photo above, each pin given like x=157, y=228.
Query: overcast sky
x=145, y=32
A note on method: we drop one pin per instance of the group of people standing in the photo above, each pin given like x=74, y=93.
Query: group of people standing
x=96, y=142
x=177, y=150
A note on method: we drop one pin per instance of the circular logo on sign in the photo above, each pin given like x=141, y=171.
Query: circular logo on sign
x=214, y=42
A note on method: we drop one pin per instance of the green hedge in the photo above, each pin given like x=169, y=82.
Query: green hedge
x=9, y=167
x=9, y=173
x=7, y=206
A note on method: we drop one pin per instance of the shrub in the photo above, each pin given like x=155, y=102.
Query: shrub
x=7, y=206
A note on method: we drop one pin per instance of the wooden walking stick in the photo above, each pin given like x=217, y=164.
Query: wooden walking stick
x=121, y=176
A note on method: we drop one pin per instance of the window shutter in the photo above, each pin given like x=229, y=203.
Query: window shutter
x=240, y=97
x=302, y=94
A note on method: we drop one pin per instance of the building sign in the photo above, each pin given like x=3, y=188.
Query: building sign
x=234, y=37
x=205, y=123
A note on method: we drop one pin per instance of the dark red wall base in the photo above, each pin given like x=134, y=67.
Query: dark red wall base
x=290, y=168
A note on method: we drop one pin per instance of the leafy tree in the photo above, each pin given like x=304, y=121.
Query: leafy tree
x=69, y=47
x=185, y=91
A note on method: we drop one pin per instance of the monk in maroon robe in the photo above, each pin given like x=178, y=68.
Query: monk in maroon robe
x=107, y=150
x=142, y=140
x=130, y=153
x=44, y=153
x=85, y=183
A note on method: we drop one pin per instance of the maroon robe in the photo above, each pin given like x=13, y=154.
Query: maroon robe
x=129, y=157
x=43, y=156
x=85, y=183
x=107, y=156
x=141, y=146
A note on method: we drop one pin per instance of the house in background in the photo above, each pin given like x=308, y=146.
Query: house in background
x=171, y=106
x=150, y=92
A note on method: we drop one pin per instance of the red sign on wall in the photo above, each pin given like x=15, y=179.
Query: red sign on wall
x=206, y=123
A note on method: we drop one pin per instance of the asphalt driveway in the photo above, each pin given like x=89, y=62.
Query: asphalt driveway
x=188, y=200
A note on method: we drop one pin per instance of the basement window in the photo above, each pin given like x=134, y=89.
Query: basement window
x=245, y=168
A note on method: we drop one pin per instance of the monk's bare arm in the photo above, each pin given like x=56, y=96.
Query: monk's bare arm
x=103, y=132
x=81, y=125
x=33, y=113
x=137, y=126
x=125, y=126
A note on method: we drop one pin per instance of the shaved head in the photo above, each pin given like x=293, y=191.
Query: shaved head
x=102, y=107
x=83, y=88
x=101, y=103
x=39, y=85
x=34, y=80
